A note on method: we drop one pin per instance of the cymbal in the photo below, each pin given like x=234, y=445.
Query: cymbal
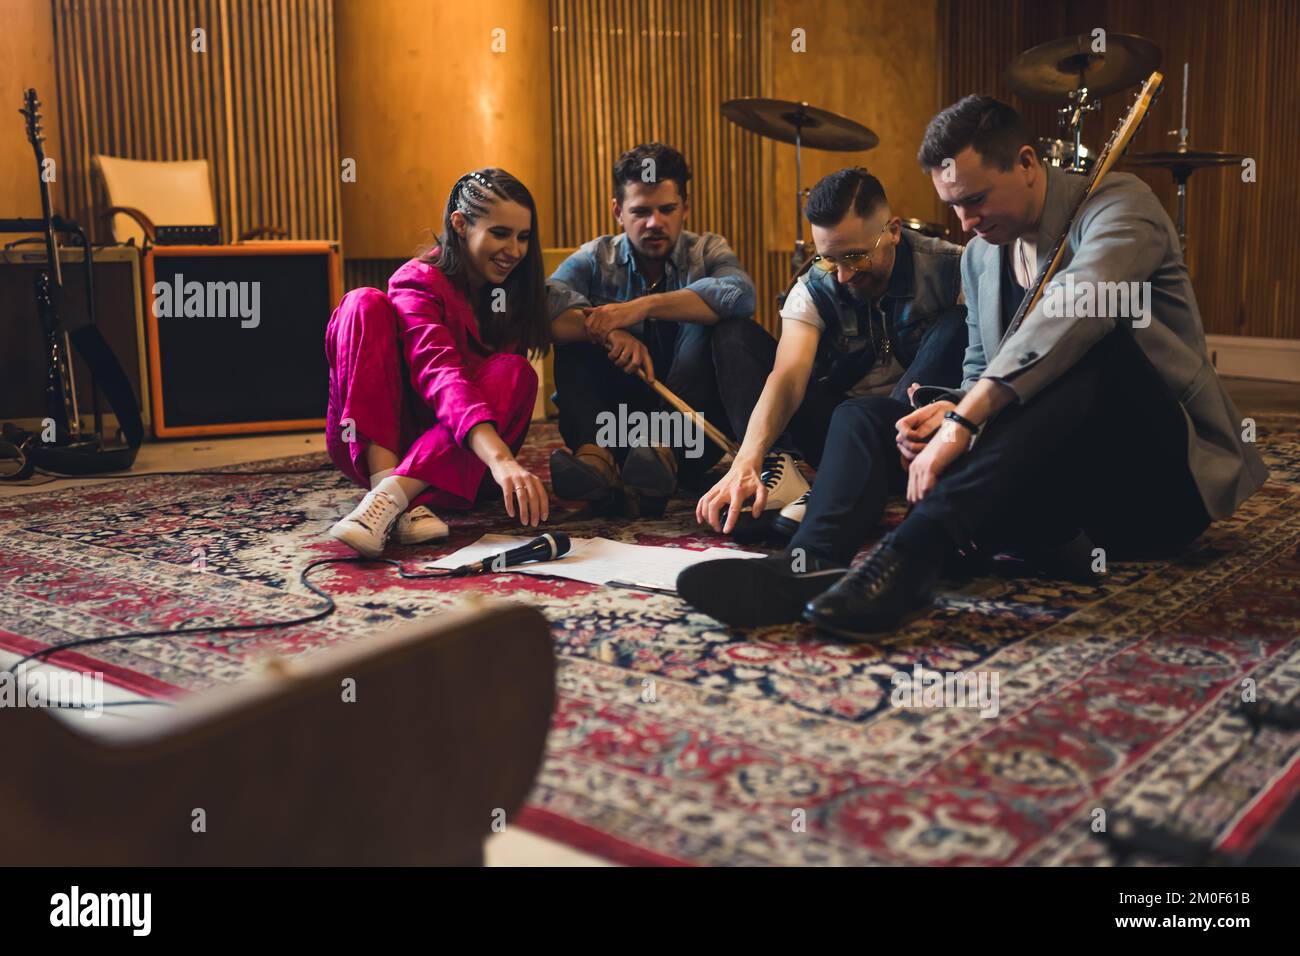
x=780, y=119
x=1183, y=156
x=1053, y=70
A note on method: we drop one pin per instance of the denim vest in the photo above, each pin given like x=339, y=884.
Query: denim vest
x=926, y=280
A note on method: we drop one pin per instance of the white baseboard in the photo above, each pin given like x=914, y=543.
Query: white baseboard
x=1241, y=356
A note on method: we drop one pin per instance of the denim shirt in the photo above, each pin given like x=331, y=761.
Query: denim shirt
x=604, y=271
x=925, y=281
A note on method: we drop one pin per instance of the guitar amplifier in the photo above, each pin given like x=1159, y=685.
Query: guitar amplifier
x=187, y=235
x=237, y=336
x=117, y=313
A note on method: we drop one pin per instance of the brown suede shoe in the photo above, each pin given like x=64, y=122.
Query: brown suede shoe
x=651, y=471
x=589, y=474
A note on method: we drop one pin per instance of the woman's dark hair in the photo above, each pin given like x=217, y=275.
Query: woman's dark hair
x=667, y=163
x=830, y=200
x=525, y=322
x=992, y=128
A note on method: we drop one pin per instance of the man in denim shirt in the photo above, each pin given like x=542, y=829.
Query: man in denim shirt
x=654, y=298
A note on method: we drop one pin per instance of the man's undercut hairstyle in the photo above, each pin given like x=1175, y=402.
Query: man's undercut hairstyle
x=992, y=128
x=836, y=193
x=651, y=163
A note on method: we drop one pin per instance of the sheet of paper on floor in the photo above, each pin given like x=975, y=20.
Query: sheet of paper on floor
x=598, y=560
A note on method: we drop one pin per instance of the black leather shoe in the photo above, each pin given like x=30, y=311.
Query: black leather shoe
x=755, y=592
x=1071, y=561
x=874, y=596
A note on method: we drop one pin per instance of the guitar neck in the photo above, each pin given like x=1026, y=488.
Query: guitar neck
x=1110, y=155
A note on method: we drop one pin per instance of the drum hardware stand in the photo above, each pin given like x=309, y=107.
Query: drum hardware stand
x=1181, y=175
x=1182, y=161
x=799, y=119
x=1071, y=122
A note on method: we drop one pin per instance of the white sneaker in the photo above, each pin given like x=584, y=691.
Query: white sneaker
x=418, y=526
x=784, y=482
x=791, y=516
x=367, y=528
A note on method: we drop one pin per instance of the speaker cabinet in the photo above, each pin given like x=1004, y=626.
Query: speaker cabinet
x=237, y=336
x=117, y=312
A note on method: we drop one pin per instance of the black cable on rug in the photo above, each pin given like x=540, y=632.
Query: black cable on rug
x=330, y=607
x=155, y=474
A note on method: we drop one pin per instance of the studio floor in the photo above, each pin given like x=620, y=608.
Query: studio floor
x=523, y=847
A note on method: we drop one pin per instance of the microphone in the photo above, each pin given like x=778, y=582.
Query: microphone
x=542, y=548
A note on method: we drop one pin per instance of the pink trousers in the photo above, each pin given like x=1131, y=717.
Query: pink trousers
x=373, y=398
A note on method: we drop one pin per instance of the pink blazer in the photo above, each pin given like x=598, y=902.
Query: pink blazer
x=441, y=344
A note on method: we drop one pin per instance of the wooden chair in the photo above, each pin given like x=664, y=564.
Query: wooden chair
x=143, y=193
x=446, y=736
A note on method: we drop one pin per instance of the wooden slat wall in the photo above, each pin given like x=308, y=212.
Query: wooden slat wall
x=1243, y=239
x=374, y=273
x=632, y=71
x=258, y=105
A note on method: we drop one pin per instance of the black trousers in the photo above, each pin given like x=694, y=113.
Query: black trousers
x=720, y=370
x=1103, y=449
x=707, y=366
x=749, y=358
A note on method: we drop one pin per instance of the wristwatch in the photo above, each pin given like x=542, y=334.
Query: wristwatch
x=952, y=416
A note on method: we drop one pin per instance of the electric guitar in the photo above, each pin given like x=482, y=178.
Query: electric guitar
x=1110, y=154
x=60, y=388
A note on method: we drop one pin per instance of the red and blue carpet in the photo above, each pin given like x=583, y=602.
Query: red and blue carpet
x=768, y=747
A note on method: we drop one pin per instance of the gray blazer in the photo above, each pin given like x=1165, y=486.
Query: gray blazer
x=1122, y=234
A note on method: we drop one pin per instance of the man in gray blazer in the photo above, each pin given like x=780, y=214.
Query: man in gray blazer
x=1098, y=428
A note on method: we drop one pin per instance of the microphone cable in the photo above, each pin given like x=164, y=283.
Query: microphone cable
x=326, y=611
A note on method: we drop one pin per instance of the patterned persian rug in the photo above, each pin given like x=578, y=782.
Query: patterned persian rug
x=772, y=746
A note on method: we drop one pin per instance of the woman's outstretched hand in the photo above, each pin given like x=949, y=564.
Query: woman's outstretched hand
x=520, y=486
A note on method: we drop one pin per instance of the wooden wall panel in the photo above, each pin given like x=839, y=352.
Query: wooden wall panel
x=258, y=105
x=875, y=63
x=425, y=96
x=632, y=71
x=1244, y=94
x=627, y=71
x=26, y=60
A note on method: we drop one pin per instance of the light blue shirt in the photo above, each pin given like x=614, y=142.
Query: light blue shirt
x=604, y=271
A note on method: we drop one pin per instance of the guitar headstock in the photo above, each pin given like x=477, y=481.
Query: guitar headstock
x=32, y=111
x=1132, y=120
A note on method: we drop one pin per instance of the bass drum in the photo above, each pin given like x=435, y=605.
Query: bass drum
x=1060, y=153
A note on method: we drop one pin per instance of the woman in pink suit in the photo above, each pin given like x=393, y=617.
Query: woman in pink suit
x=431, y=390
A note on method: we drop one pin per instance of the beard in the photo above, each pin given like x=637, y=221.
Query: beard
x=661, y=250
x=865, y=290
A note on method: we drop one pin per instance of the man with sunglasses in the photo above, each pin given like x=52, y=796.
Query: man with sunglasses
x=879, y=310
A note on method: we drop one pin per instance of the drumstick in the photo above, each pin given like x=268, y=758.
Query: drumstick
x=717, y=437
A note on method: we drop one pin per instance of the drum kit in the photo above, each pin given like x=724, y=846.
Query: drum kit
x=1070, y=71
